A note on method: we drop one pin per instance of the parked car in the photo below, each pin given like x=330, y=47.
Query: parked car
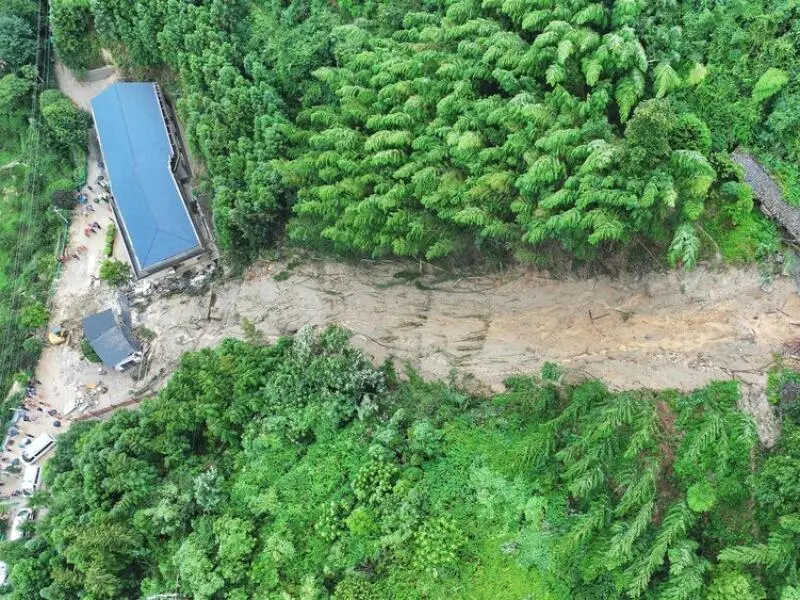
x=30, y=479
x=22, y=517
x=37, y=448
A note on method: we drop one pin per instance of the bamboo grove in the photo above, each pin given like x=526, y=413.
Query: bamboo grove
x=299, y=471
x=469, y=128
x=458, y=131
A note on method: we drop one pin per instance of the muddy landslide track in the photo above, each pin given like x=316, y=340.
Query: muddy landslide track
x=660, y=331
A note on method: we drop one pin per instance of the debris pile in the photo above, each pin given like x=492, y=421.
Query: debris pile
x=86, y=397
x=192, y=282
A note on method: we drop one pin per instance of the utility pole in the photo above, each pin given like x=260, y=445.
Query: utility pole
x=58, y=212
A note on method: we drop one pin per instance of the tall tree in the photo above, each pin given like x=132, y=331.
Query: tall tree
x=17, y=43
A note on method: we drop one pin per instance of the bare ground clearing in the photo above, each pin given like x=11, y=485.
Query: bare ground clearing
x=82, y=92
x=676, y=330
x=661, y=331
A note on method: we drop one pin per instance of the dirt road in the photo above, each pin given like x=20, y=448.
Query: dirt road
x=82, y=91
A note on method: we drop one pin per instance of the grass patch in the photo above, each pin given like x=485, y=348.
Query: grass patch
x=144, y=333
x=497, y=574
x=88, y=352
x=287, y=272
x=407, y=275
x=111, y=233
x=787, y=175
x=752, y=239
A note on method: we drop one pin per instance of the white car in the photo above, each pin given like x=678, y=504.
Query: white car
x=23, y=516
x=30, y=479
x=3, y=573
x=37, y=448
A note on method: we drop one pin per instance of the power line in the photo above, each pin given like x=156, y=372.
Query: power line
x=33, y=146
x=34, y=138
x=23, y=230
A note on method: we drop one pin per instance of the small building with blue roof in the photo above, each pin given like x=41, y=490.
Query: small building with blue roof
x=111, y=340
x=139, y=157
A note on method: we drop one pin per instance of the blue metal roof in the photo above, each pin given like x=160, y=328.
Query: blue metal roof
x=112, y=343
x=137, y=152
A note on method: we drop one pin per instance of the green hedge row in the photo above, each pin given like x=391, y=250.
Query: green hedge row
x=111, y=233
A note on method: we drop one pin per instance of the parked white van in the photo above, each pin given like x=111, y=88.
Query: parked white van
x=23, y=516
x=30, y=479
x=37, y=448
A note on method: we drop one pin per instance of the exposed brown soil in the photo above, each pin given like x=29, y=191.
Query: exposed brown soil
x=661, y=331
x=656, y=331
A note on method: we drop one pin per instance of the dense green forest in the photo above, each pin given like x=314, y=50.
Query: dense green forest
x=298, y=470
x=471, y=128
x=42, y=160
x=429, y=129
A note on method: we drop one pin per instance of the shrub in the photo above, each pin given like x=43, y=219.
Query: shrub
x=34, y=315
x=739, y=201
x=701, y=497
x=65, y=123
x=88, y=352
x=252, y=334
x=62, y=193
x=111, y=234
x=63, y=198
x=33, y=346
x=731, y=584
x=115, y=272
x=437, y=544
x=692, y=133
x=79, y=172
x=145, y=333
x=353, y=588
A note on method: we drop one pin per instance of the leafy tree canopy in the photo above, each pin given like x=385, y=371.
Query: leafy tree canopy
x=299, y=470
x=72, y=33
x=33, y=165
x=65, y=122
x=17, y=43
x=468, y=128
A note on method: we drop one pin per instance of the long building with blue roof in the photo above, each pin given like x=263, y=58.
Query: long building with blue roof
x=138, y=155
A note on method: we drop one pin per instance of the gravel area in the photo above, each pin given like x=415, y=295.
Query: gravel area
x=768, y=193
